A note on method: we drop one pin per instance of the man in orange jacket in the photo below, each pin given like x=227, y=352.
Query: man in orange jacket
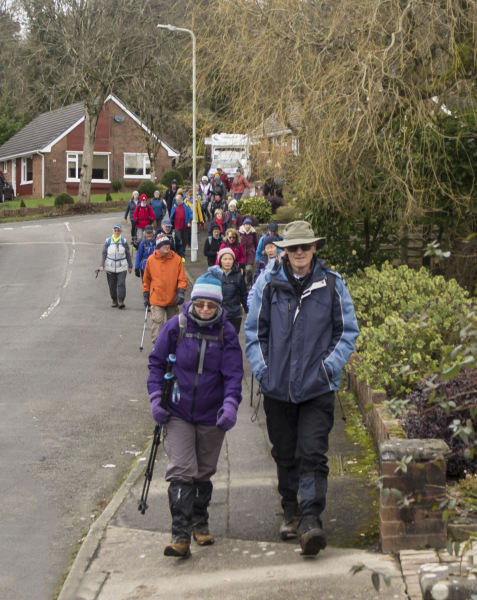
x=164, y=284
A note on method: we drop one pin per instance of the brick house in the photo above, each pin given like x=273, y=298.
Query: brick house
x=45, y=156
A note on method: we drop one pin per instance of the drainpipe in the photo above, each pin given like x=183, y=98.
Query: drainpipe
x=42, y=173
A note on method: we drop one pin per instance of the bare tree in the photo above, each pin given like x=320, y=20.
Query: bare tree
x=366, y=77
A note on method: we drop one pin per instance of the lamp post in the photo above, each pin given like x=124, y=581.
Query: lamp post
x=194, y=240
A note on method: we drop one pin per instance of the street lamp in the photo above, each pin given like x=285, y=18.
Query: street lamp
x=194, y=241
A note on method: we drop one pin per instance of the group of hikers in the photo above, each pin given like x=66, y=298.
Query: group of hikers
x=300, y=331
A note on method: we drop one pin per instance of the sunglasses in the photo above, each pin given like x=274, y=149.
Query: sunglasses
x=304, y=247
x=200, y=304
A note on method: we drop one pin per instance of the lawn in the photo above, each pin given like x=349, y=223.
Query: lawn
x=35, y=202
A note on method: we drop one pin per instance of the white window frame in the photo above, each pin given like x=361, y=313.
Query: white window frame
x=24, y=172
x=5, y=166
x=75, y=157
x=145, y=164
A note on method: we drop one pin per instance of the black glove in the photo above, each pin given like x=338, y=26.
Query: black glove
x=137, y=272
x=145, y=295
x=180, y=296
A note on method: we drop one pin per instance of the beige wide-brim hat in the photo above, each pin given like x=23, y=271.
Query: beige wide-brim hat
x=300, y=232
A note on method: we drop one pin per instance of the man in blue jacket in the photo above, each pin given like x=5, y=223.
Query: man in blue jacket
x=300, y=332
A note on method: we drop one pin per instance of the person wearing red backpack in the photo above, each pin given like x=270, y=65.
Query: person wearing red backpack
x=143, y=216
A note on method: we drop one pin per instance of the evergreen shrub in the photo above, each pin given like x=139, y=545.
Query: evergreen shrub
x=64, y=198
x=256, y=207
x=167, y=178
x=409, y=320
x=148, y=188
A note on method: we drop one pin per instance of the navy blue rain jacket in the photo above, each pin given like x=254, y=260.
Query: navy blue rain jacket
x=297, y=347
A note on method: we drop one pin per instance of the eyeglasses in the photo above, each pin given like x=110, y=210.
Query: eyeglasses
x=304, y=247
x=200, y=304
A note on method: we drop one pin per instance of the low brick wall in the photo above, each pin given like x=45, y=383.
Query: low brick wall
x=413, y=525
x=423, y=481
x=370, y=404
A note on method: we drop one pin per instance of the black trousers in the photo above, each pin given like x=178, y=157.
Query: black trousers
x=299, y=436
x=236, y=322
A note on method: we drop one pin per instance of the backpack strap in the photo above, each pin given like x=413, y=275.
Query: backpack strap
x=331, y=279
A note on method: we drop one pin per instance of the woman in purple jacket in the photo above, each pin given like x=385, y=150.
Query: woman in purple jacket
x=202, y=407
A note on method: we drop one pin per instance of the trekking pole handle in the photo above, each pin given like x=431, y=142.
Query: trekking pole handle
x=168, y=381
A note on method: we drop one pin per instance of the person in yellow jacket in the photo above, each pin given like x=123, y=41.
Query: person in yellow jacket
x=164, y=284
x=188, y=200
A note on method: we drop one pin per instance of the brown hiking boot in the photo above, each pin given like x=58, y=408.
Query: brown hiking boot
x=114, y=303
x=312, y=536
x=289, y=527
x=178, y=549
x=203, y=539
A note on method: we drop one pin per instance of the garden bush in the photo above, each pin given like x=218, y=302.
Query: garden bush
x=409, y=320
x=148, y=188
x=257, y=207
x=64, y=198
x=109, y=198
x=285, y=214
x=167, y=178
x=117, y=185
x=428, y=418
x=22, y=204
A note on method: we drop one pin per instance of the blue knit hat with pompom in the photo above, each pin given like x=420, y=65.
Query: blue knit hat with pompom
x=207, y=287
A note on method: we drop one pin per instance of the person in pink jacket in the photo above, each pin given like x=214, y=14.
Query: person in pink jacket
x=232, y=241
x=143, y=216
x=238, y=184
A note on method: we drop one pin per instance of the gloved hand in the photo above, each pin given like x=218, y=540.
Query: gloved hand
x=227, y=415
x=180, y=296
x=137, y=272
x=159, y=414
x=145, y=295
x=183, y=259
x=125, y=220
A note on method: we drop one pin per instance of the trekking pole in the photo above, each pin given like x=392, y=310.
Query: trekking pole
x=251, y=392
x=166, y=391
x=97, y=273
x=141, y=347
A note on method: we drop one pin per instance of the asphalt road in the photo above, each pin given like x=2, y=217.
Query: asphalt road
x=74, y=410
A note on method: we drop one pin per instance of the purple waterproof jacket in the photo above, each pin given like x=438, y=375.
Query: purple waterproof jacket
x=201, y=396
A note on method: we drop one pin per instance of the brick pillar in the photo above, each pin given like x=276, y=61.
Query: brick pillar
x=415, y=526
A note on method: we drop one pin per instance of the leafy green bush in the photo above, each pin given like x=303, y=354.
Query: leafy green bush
x=64, y=198
x=117, y=185
x=285, y=214
x=48, y=195
x=162, y=189
x=148, y=188
x=409, y=320
x=167, y=178
x=256, y=207
x=109, y=198
x=22, y=204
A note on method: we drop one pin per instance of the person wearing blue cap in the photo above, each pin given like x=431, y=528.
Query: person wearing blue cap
x=116, y=259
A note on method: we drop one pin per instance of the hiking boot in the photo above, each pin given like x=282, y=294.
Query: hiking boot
x=121, y=304
x=202, y=538
x=114, y=303
x=312, y=536
x=178, y=549
x=289, y=527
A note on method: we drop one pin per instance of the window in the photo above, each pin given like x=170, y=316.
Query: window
x=137, y=165
x=27, y=170
x=5, y=166
x=100, y=167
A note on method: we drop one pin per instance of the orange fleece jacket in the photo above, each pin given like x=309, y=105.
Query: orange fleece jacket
x=162, y=277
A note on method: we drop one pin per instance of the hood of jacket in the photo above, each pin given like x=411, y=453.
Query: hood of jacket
x=251, y=230
x=218, y=271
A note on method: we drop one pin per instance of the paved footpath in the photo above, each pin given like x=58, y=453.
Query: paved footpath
x=122, y=556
